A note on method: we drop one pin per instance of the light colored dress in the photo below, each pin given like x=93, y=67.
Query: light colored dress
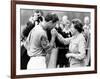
x=77, y=47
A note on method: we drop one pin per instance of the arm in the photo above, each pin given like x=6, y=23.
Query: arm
x=63, y=40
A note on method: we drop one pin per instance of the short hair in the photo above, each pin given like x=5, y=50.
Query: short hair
x=38, y=11
x=78, y=25
x=51, y=17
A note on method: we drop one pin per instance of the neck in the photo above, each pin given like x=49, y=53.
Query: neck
x=43, y=24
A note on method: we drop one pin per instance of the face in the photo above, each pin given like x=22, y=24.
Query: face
x=51, y=25
x=36, y=15
x=39, y=14
x=73, y=30
x=64, y=19
x=67, y=24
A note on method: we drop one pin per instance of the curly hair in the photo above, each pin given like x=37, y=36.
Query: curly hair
x=78, y=25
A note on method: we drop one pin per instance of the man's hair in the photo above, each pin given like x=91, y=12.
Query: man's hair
x=51, y=17
x=78, y=25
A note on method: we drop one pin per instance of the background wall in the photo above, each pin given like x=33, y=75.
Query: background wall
x=5, y=33
x=26, y=13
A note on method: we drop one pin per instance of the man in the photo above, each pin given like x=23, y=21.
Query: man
x=37, y=43
x=34, y=20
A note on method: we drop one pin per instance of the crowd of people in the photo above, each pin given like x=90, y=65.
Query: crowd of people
x=48, y=42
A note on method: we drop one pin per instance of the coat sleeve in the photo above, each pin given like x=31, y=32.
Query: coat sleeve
x=64, y=40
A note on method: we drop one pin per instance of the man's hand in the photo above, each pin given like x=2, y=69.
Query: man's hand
x=54, y=32
x=69, y=55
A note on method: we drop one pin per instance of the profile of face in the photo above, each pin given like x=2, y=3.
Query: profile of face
x=50, y=20
x=86, y=20
x=72, y=29
x=51, y=25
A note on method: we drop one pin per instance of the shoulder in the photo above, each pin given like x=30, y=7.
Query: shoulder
x=37, y=32
x=81, y=38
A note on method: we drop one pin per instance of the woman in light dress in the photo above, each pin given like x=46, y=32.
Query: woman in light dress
x=77, y=44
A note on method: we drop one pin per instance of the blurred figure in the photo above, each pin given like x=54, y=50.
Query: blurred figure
x=66, y=24
x=63, y=28
x=86, y=23
x=77, y=44
x=87, y=35
x=34, y=20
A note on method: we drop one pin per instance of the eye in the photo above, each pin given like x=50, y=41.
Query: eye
x=38, y=15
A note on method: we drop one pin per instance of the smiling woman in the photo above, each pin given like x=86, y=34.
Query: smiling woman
x=77, y=44
x=37, y=44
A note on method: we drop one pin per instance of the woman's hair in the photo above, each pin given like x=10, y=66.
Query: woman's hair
x=40, y=18
x=78, y=25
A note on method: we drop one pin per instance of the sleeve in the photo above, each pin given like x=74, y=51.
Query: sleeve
x=64, y=40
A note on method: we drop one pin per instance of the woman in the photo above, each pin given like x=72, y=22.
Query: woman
x=77, y=52
x=87, y=35
x=34, y=20
x=62, y=61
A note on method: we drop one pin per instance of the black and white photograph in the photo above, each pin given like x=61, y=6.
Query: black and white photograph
x=55, y=39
